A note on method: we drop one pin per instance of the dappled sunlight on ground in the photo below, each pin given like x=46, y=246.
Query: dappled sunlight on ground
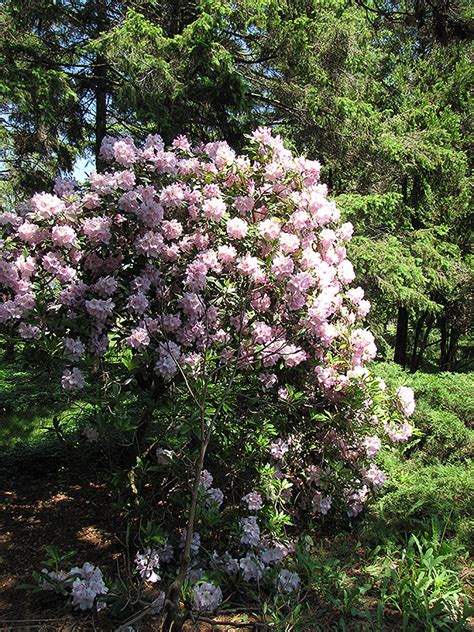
x=70, y=510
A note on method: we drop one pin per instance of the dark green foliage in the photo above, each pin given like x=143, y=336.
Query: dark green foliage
x=445, y=436
x=416, y=493
x=29, y=399
x=432, y=476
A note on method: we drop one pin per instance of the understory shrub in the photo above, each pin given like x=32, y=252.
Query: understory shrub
x=417, y=493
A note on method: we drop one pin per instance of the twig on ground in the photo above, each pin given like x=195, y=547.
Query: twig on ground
x=234, y=624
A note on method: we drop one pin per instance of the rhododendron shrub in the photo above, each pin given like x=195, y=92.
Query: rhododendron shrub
x=209, y=269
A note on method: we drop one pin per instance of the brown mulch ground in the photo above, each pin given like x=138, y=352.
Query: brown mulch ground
x=68, y=507
x=65, y=503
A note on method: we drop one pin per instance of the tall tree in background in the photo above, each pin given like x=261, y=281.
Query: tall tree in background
x=55, y=88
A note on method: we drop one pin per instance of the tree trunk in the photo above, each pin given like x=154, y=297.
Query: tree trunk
x=100, y=73
x=419, y=356
x=418, y=330
x=443, y=357
x=449, y=344
x=401, y=341
x=9, y=351
x=452, y=349
x=174, y=617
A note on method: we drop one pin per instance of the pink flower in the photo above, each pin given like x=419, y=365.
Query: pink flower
x=150, y=213
x=345, y=271
x=201, y=240
x=29, y=232
x=139, y=338
x=170, y=253
x=211, y=191
x=171, y=322
x=374, y=477
x=103, y=183
x=52, y=262
x=262, y=333
x=253, y=500
x=268, y=379
x=321, y=504
x=64, y=236
x=301, y=220
x=406, y=397
x=181, y=142
x=47, y=205
x=226, y=254
x=125, y=152
x=220, y=153
x=322, y=213
x=74, y=347
x=210, y=259
x=363, y=309
x=327, y=237
x=261, y=302
x=195, y=253
x=192, y=304
x=150, y=244
x=244, y=204
x=26, y=266
x=270, y=228
x=73, y=380
x=167, y=363
x=279, y=448
x=345, y=231
x=400, y=433
x=237, y=228
x=282, y=266
x=263, y=135
x=311, y=170
x=105, y=286
x=154, y=141
x=91, y=201
x=364, y=348
x=29, y=332
x=250, y=266
x=289, y=242
x=97, y=229
x=214, y=209
x=301, y=282
x=171, y=229
x=327, y=334
x=126, y=180
x=99, y=309
x=172, y=196
x=128, y=202
x=138, y=303
x=196, y=277
x=355, y=295
x=372, y=446
x=293, y=355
